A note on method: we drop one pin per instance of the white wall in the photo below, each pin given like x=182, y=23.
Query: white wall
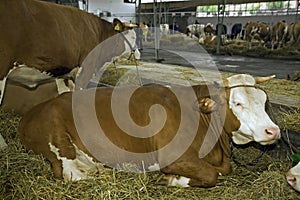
x=118, y=9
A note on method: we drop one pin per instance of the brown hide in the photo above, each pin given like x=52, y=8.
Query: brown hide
x=257, y=30
x=279, y=33
x=52, y=122
x=25, y=87
x=208, y=30
x=294, y=32
x=19, y=99
x=46, y=35
x=211, y=40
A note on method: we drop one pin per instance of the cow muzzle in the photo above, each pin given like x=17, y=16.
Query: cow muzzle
x=271, y=136
x=273, y=133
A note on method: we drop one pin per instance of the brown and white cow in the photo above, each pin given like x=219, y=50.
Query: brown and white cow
x=294, y=33
x=279, y=34
x=74, y=136
x=164, y=30
x=24, y=87
x=47, y=36
x=195, y=30
x=256, y=30
x=293, y=177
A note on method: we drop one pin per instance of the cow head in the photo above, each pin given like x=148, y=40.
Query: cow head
x=126, y=29
x=247, y=103
x=293, y=177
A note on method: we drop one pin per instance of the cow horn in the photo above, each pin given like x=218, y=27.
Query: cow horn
x=263, y=79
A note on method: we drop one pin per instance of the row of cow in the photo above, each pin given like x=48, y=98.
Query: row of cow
x=278, y=35
x=68, y=135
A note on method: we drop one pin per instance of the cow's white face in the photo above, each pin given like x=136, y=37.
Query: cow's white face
x=131, y=37
x=248, y=105
x=293, y=177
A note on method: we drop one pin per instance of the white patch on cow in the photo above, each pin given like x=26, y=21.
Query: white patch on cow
x=1, y=88
x=248, y=105
x=154, y=167
x=293, y=177
x=3, y=85
x=61, y=86
x=131, y=37
x=75, y=169
x=181, y=182
x=164, y=30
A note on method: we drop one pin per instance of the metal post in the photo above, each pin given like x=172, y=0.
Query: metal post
x=221, y=12
x=138, y=11
x=156, y=30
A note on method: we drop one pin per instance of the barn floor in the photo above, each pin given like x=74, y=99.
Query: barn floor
x=257, y=173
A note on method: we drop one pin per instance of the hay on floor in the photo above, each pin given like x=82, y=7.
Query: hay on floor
x=28, y=176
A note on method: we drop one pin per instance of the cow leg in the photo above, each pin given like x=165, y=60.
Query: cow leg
x=70, y=162
x=199, y=173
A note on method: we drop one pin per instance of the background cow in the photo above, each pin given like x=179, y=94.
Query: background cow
x=294, y=33
x=24, y=87
x=256, y=30
x=69, y=136
x=196, y=30
x=164, y=30
x=236, y=31
x=279, y=34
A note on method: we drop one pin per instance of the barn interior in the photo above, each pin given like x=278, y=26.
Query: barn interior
x=258, y=171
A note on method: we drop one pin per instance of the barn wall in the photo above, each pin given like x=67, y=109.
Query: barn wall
x=117, y=8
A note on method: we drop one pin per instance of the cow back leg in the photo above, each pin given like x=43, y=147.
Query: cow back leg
x=75, y=164
x=185, y=174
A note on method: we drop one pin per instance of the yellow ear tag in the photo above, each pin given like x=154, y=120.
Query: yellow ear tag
x=117, y=27
x=206, y=104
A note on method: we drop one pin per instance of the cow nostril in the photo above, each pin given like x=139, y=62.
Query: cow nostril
x=291, y=179
x=273, y=132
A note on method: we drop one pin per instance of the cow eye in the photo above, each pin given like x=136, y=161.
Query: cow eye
x=238, y=104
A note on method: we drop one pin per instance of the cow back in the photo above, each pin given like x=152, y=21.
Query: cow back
x=46, y=35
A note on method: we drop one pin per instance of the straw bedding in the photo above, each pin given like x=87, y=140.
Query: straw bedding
x=28, y=176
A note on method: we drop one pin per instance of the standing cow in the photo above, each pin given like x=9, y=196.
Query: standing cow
x=257, y=30
x=164, y=30
x=294, y=33
x=279, y=34
x=48, y=36
x=183, y=131
x=196, y=30
x=236, y=31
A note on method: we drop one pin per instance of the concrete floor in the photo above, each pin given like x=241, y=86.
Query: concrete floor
x=236, y=64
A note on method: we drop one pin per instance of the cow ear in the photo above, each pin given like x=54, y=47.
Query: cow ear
x=118, y=25
x=207, y=105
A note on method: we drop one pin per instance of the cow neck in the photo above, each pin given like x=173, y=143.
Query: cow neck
x=132, y=48
x=132, y=55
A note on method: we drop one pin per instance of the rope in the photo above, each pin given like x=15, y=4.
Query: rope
x=253, y=162
x=132, y=55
